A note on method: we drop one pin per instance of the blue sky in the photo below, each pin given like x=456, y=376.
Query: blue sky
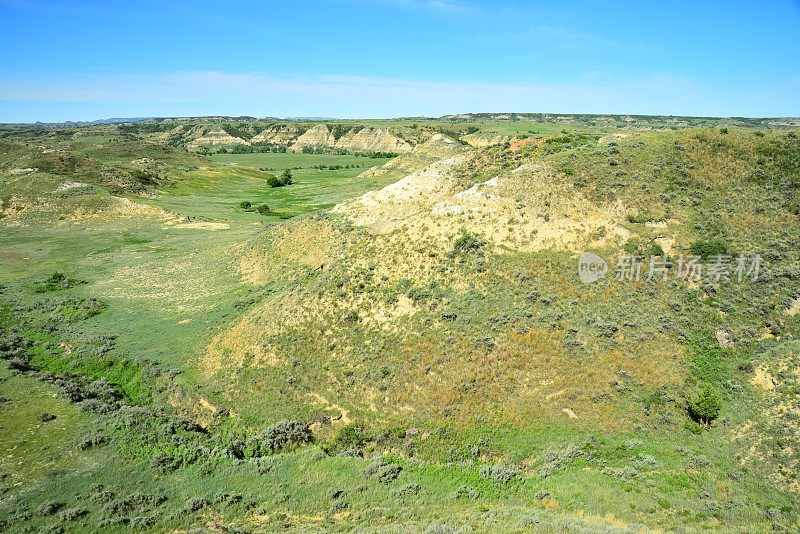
x=83, y=60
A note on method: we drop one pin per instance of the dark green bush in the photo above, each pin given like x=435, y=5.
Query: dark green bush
x=349, y=437
x=245, y=205
x=655, y=250
x=706, y=405
x=466, y=243
x=284, y=180
x=55, y=282
x=263, y=209
x=708, y=248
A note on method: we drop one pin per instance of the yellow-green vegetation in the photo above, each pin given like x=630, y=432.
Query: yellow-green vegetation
x=397, y=340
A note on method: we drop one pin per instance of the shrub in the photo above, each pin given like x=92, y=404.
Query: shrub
x=466, y=492
x=245, y=205
x=285, y=179
x=194, y=505
x=445, y=528
x=142, y=522
x=72, y=514
x=382, y=471
x=55, y=282
x=640, y=217
x=623, y=473
x=164, y=462
x=607, y=329
x=466, y=243
x=407, y=490
x=100, y=494
x=229, y=498
x=338, y=506
x=20, y=364
x=49, y=508
x=14, y=346
x=708, y=248
x=93, y=441
x=263, y=209
x=499, y=473
x=655, y=250
x=284, y=435
x=706, y=405
x=349, y=437
x=144, y=176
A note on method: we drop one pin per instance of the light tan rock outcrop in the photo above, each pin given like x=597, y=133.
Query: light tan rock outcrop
x=319, y=135
x=215, y=136
x=372, y=139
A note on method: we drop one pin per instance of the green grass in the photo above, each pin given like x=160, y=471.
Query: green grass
x=170, y=284
x=312, y=188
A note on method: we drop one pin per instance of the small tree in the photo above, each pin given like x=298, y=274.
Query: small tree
x=286, y=177
x=706, y=405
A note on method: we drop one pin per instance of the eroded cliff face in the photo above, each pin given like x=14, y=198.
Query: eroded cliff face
x=373, y=139
x=356, y=139
x=279, y=134
x=484, y=139
x=319, y=135
x=353, y=138
x=214, y=136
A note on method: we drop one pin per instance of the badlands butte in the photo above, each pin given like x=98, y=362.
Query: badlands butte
x=232, y=324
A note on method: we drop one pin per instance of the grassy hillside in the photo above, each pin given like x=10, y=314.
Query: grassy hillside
x=404, y=344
